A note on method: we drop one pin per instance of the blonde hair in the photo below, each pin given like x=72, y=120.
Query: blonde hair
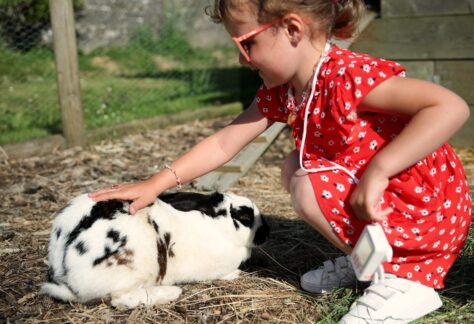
x=337, y=18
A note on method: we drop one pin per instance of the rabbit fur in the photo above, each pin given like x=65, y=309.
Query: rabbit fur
x=98, y=250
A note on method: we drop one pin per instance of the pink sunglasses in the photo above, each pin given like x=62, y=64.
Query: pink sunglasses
x=244, y=49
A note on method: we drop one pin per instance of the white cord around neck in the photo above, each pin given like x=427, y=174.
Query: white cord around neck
x=305, y=122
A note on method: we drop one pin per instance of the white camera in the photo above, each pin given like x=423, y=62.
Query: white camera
x=371, y=250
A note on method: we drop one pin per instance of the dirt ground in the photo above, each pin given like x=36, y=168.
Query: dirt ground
x=33, y=190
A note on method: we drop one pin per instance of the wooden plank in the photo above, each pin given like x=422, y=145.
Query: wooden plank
x=423, y=70
x=225, y=176
x=219, y=181
x=35, y=147
x=270, y=134
x=247, y=157
x=457, y=76
x=465, y=136
x=410, y=8
x=365, y=21
x=469, y=169
x=443, y=37
x=243, y=161
x=67, y=71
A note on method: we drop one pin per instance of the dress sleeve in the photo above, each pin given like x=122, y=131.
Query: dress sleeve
x=270, y=103
x=354, y=79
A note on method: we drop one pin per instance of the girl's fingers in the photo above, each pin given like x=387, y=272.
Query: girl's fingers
x=387, y=211
x=135, y=206
x=107, y=195
x=139, y=203
x=370, y=214
x=135, y=192
x=99, y=192
x=381, y=215
x=113, y=192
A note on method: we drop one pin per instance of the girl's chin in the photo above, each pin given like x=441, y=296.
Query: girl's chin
x=269, y=83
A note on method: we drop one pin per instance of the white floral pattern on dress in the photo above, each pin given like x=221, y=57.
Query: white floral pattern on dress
x=429, y=198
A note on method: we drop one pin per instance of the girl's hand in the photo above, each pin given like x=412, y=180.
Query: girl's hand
x=141, y=193
x=366, y=198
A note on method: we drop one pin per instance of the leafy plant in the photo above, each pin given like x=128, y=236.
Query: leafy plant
x=22, y=66
x=167, y=42
x=170, y=40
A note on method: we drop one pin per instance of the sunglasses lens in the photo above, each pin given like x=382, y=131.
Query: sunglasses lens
x=245, y=50
x=246, y=47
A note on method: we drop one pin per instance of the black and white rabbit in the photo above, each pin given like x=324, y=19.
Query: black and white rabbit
x=97, y=249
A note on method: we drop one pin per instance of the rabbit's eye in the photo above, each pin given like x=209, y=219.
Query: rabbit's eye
x=245, y=217
x=243, y=214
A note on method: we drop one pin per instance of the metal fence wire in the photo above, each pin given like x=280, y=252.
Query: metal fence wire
x=135, y=61
x=28, y=100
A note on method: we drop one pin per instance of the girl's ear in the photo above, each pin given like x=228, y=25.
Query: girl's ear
x=293, y=26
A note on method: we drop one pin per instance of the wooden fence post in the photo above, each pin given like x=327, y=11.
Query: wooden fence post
x=67, y=71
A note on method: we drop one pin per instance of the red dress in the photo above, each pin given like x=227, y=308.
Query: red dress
x=431, y=201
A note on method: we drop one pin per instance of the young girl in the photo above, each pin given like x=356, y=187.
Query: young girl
x=370, y=147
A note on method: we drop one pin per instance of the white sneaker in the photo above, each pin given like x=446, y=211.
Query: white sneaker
x=331, y=275
x=393, y=300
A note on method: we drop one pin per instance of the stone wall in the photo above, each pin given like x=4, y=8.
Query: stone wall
x=191, y=19
x=105, y=23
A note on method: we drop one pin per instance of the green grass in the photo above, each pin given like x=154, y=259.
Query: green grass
x=114, y=101
x=29, y=110
x=149, y=77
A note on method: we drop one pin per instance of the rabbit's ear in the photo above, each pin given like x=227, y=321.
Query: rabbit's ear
x=262, y=233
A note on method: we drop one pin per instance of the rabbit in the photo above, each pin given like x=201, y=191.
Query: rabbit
x=98, y=250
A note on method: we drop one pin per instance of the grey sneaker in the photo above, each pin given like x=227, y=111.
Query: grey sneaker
x=333, y=274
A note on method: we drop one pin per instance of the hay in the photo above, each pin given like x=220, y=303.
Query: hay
x=32, y=190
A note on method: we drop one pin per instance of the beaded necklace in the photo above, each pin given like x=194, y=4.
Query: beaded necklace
x=291, y=104
x=309, y=100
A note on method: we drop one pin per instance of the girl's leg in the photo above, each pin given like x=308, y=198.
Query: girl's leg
x=298, y=184
x=392, y=298
x=333, y=274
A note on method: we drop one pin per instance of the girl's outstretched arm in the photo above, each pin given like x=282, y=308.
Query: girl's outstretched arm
x=437, y=114
x=204, y=157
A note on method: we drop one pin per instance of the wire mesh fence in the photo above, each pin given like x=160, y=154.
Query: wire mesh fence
x=134, y=63
x=28, y=102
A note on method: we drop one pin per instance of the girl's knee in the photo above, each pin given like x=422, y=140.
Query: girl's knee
x=307, y=207
x=303, y=197
x=288, y=169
